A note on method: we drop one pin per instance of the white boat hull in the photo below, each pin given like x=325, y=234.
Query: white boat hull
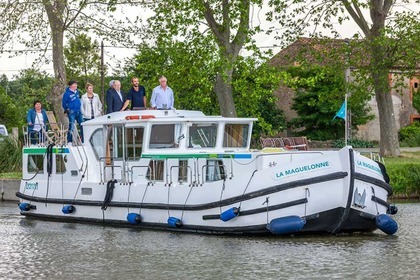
x=332, y=192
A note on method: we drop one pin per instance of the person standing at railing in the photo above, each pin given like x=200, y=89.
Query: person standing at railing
x=136, y=96
x=72, y=107
x=162, y=96
x=91, y=104
x=37, y=120
x=115, y=98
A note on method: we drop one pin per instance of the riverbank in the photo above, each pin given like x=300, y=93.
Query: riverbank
x=8, y=188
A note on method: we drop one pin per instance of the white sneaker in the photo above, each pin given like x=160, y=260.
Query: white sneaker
x=69, y=144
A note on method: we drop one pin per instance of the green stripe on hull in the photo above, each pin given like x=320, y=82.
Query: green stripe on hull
x=181, y=156
x=43, y=150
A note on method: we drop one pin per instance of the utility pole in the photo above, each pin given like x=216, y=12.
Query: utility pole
x=102, y=73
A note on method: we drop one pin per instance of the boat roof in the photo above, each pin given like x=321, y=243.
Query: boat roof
x=159, y=116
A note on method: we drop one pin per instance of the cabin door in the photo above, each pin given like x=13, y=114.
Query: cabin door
x=136, y=167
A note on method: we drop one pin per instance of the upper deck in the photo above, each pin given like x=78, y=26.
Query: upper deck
x=160, y=116
x=132, y=133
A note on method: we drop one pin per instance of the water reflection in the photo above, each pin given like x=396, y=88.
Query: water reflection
x=50, y=250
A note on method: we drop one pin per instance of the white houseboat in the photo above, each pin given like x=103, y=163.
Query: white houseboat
x=184, y=171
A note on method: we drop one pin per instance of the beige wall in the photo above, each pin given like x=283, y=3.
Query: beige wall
x=403, y=108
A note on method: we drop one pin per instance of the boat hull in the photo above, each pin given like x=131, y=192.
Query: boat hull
x=296, y=193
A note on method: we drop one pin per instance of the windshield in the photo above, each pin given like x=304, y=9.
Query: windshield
x=3, y=131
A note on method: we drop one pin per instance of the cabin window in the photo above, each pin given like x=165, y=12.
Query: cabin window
x=97, y=141
x=117, y=141
x=35, y=164
x=183, y=171
x=215, y=170
x=202, y=135
x=134, y=142
x=164, y=136
x=155, y=170
x=60, y=165
x=236, y=135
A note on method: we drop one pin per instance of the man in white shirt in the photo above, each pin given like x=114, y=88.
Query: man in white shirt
x=162, y=96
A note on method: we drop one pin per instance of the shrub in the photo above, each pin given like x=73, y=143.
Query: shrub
x=410, y=135
x=405, y=177
x=10, y=155
x=356, y=143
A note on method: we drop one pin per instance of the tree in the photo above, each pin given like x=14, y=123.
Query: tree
x=39, y=25
x=30, y=85
x=83, y=61
x=191, y=71
x=319, y=95
x=386, y=39
x=9, y=111
x=225, y=22
x=26, y=87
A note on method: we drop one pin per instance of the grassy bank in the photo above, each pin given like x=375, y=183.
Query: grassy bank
x=11, y=175
x=404, y=173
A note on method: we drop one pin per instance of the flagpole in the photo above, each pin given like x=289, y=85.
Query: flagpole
x=346, y=136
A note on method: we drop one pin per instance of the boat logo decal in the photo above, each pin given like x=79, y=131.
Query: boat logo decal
x=359, y=199
x=272, y=164
x=368, y=166
x=301, y=169
x=31, y=186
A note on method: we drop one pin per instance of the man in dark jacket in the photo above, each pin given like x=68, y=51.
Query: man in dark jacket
x=72, y=107
x=115, y=98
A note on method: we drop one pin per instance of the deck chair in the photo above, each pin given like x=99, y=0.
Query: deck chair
x=57, y=132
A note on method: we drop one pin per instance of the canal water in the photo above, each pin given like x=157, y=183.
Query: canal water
x=34, y=249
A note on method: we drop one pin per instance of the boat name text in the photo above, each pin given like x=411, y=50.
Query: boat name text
x=369, y=166
x=31, y=186
x=301, y=169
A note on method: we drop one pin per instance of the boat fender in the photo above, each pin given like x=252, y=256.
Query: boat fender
x=229, y=214
x=24, y=206
x=286, y=225
x=134, y=218
x=392, y=209
x=386, y=224
x=174, y=222
x=68, y=209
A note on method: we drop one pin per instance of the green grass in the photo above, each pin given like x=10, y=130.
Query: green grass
x=11, y=175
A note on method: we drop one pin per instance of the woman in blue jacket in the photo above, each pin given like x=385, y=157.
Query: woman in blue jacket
x=37, y=123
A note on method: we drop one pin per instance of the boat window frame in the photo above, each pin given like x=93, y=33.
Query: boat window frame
x=212, y=124
x=219, y=170
x=40, y=157
x=247, y=138
x=156, y=170
x=62, y=163
x=176, y=141
x=142, y=143
x=94, y=145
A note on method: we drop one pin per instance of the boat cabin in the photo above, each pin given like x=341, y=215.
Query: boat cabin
x=155, y=144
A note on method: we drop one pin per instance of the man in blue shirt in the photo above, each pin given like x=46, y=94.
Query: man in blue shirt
x=136, y=95
x=72, y=107
x=162, y=96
